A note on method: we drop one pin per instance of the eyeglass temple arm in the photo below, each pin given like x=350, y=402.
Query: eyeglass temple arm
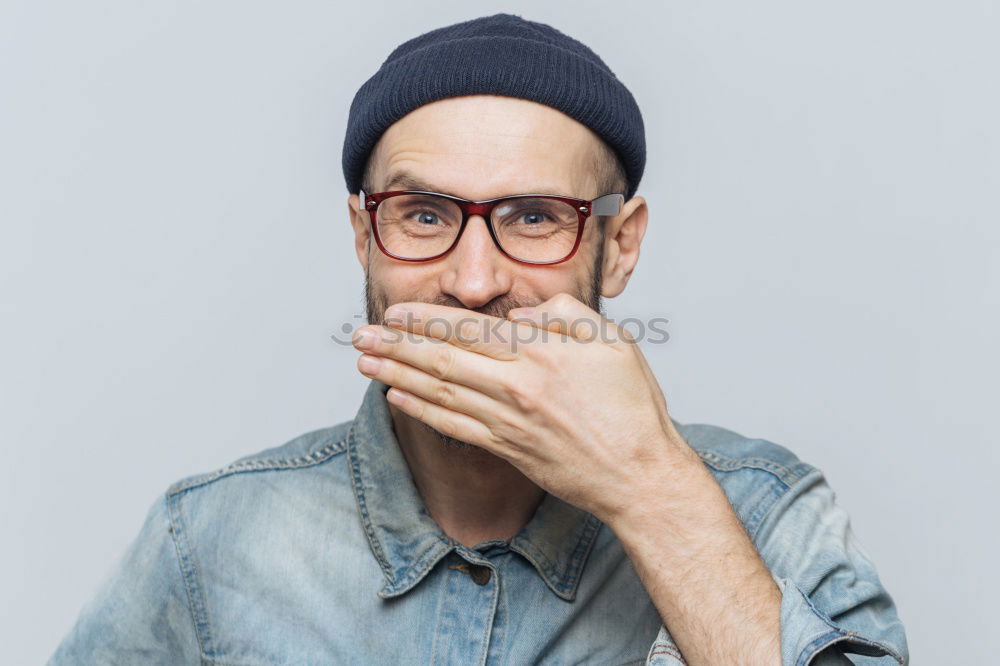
x=609, y=204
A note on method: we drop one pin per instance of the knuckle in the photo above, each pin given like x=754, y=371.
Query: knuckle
x=391, y=371
x=444, y=394
x=497, y=440
x=525, y=396
x=442, y=362
x=564, y=299
x=503, y=384
x=449, y=427
x=468, y=331
x=417, y=409
x=584, y=329
x=548, y=356
x=510, y=429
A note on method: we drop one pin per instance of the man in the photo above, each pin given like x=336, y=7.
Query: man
x=513, y=489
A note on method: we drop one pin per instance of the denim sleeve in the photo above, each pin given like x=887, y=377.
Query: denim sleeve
x=834, y=609
x=140, y=615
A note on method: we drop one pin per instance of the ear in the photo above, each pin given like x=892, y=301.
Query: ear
x=360, y=221
x=622, y=237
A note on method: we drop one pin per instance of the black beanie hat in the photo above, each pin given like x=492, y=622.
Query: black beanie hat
x=502, y=55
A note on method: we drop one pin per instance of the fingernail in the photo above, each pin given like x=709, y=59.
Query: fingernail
x=369, y=364
x=364, y=339
x=396, y=395
x=396, y=313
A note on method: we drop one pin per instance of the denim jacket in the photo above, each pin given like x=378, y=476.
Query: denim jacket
x=320, y=551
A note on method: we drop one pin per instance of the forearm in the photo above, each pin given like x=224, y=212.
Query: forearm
x=700, y=569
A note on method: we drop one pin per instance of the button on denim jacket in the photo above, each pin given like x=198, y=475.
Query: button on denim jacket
x=320, y=551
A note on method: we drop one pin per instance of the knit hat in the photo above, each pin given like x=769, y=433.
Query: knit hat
x=502, y=55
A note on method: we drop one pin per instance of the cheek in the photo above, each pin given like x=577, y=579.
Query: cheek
x=396, y=281
x=540, y=284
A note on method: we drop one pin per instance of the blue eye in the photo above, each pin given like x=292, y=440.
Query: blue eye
x=428, y=218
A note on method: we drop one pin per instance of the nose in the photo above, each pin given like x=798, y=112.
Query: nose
x=476, y=271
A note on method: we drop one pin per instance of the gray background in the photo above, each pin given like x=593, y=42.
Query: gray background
x=175, y=252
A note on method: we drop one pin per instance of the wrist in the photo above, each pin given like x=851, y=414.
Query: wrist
x=681, y=517
x=675, y=490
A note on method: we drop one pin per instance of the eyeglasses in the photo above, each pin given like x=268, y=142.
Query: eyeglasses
x=528, y=228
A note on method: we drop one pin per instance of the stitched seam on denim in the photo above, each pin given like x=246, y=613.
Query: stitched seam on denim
x=538, y=558
x=816, y=611
x=218, y=662
x=581, y=552
x=548, y=569
x=669, y=650
x=412, y=575
x=726, y=464
x=816, y=646
x=543, y=563
x=845, y=633
x=262, y=464
x=488, y=634
x=192, y=580
x=359, y=494
x=189, y=574
x=855, y=637
x=840, y=636
x=501, y=620
x=755, y=519
x=408, y=576
x=579, y=555
x=802, y=482
x=540, y=562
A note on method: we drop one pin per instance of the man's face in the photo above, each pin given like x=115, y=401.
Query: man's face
x=482, y=147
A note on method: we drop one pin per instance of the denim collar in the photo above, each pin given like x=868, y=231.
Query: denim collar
x=406, y=541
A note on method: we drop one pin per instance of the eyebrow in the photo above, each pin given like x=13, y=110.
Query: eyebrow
x=407, y=181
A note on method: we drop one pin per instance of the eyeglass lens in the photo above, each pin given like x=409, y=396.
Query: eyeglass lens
x=420, y=226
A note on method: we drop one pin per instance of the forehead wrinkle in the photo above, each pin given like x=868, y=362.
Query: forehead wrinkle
x=401, y=178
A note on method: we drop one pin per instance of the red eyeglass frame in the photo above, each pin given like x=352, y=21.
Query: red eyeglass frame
x=608, y=204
